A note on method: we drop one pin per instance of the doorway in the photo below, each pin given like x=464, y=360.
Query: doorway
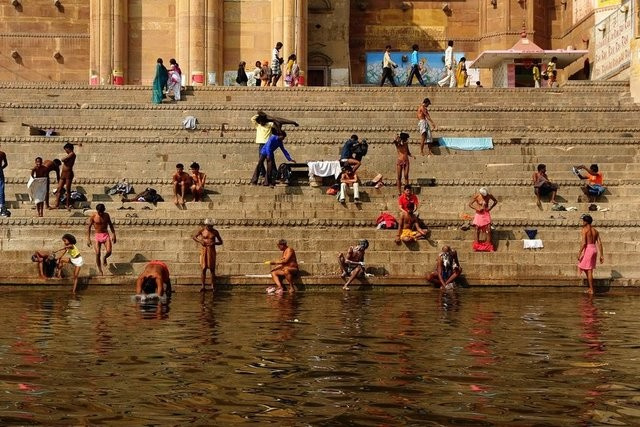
x=317, y=76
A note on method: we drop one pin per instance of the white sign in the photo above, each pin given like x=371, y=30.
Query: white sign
x=613, y=42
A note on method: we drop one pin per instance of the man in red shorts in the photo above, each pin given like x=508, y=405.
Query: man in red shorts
x=102, y=223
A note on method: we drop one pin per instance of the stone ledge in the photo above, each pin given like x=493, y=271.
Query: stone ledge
x=190, y=139
x=312, y=223
x=192, y=283
x=319, y=107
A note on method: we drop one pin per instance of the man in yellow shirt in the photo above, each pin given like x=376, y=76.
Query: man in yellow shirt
x=263, y=124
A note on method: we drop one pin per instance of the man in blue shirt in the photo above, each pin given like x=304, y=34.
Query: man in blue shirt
x=348, y=156
x=415, y=67
x=274, y=142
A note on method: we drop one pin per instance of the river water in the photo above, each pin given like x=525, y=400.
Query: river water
x=471, y=357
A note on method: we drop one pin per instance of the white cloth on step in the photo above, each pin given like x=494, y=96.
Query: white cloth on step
x=532, y=243
x=37, y=189
x=190, y=122
x=324, y=168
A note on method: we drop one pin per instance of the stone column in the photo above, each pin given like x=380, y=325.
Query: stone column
x=214, y=34
x=182, y=39
x=197, y=39
x=302, y=31
x=108, y=39
x=120, y=41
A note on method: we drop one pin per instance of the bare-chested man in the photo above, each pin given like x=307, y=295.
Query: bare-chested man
x=181, y=184
x=40, y=175
x=402, y=164
x=447, y=269
x=66, y=176
x=286, y=266
x=52, y=166
x=591, y=245
x=102, y=223
x=409, y=228
x=198, y=180
x=352, y=265
x=424, y=119
x=154, y=279
x=208, y=237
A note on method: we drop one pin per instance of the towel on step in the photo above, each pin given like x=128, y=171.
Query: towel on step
x=324, y=168
x=464, y=143
x=533, y=243
x=190, y=122
x=37, y=189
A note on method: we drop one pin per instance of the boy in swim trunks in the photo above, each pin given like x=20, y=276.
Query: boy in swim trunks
x=402, y=164
x=208, y=237
x=154, y=279
x=102, y=223
x=74, y=258
x=589, y=249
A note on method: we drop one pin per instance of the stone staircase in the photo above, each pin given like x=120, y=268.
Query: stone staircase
x=118, y=133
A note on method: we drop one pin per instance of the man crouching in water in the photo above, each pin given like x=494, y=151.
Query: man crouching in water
x=154, y=279
x=286, y=266
x=447, y=269
x=353, y=265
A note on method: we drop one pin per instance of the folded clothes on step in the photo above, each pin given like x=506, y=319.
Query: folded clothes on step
x=324, y=168
x=532, y=243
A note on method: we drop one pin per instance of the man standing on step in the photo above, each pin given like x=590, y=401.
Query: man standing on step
x=66, y=177
x=415, y=67
x=425, y=125
x=52, y=166
x=589, y=249
x=448, y=64
x=263, y=124
x=3, y=165
x=208, y=238
x=102, y=223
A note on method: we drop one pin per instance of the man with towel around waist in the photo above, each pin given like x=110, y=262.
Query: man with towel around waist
x=102, y=223
x=208, y=237
x=38, y=184
x=588, y=250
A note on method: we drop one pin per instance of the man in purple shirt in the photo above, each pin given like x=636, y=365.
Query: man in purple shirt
x=274, y=142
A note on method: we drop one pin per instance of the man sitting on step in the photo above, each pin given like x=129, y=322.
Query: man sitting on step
x=447, y=269
x=349, y=179
x=594, y=187
x=409, y=229
x=542, y=186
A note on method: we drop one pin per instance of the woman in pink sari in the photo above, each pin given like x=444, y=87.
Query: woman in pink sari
x=482, y=202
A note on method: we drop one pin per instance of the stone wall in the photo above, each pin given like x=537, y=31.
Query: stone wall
x=33, y=31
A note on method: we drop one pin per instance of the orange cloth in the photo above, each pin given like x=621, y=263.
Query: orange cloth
x=596, y=179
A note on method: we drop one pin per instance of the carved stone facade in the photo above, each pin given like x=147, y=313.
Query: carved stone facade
x=118, y=41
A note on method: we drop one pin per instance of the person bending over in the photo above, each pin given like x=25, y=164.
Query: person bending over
x=352, y=265
x=154, y=279
x=447, y=268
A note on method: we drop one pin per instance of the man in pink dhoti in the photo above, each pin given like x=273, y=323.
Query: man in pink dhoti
x=482, y=203
x=589, y=249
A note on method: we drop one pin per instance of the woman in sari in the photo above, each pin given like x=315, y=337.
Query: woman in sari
x=461, y=73
x=159, y=82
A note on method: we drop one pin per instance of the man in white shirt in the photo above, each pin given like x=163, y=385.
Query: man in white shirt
x=448, y=63
x=387, y=64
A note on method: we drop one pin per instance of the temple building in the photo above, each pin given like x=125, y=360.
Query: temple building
x=337, y=42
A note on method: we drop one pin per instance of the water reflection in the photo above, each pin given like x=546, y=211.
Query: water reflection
x=361, y=358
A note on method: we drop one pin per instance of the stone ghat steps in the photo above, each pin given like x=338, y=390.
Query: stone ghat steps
x=55, y=117
x=54, y=93
x=572, y=145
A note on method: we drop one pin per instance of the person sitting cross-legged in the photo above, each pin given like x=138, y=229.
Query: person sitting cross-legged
x=409, y=229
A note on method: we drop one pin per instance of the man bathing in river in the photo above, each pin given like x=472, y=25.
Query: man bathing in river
x=154, y=279
x=286, y=266
x=447, y=269
x=352, y=265
x=102, y=223
x=208, y=237
x=589, y=249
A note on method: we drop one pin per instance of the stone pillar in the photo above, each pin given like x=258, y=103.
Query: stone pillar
x=289, y=26
x=183, y=34
x=302, y=31
x=197, y=39
x=214, y=34
x=108, y=43
x=120, y=41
